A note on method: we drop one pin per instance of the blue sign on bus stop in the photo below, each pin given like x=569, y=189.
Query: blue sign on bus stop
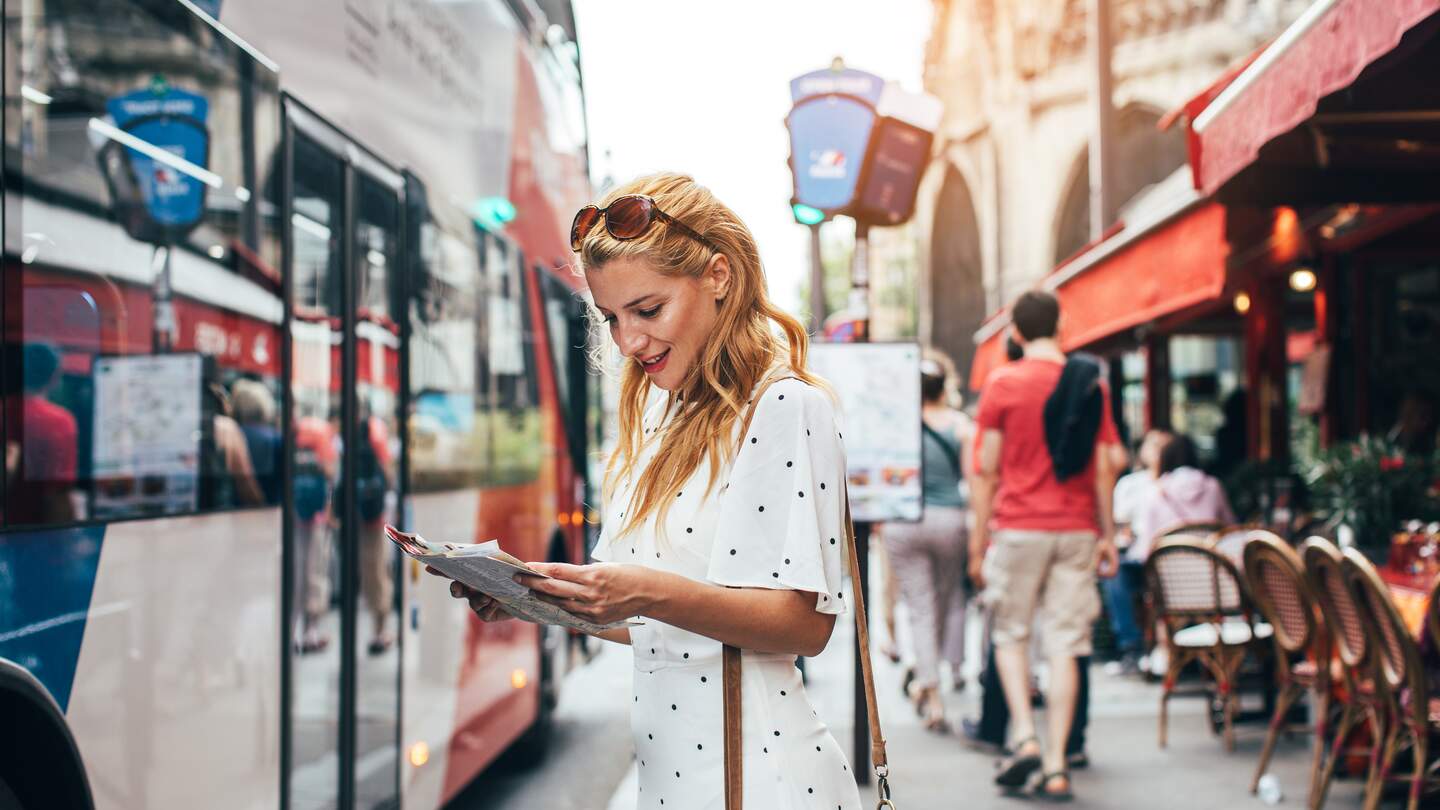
x=829, y=130
x=174, y=121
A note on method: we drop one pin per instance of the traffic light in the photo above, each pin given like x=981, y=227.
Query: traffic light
x=807, y=215
x=492, y=213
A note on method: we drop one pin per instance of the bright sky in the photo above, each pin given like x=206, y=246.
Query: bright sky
x=703, y=88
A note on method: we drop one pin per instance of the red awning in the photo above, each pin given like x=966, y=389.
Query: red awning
x=1324, y=51
x=1139, y=274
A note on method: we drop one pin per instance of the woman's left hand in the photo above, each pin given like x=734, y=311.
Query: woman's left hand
x=602, y=592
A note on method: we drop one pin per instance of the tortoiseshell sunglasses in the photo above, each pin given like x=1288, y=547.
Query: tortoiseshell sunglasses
x=628, y=217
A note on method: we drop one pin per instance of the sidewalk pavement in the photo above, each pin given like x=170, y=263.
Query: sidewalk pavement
x=1128, y=769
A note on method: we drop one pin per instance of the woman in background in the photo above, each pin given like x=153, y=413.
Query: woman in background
x=929, y=557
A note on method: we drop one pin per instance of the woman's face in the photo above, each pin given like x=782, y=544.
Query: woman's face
x=662, y=322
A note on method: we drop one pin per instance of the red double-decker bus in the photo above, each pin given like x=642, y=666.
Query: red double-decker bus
x=276, y=274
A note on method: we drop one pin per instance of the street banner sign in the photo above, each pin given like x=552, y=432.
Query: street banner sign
x=878, y=385
x=163, y=199
x=829, y=129
x=896, y=160
x=897, y=156
x=847, y=82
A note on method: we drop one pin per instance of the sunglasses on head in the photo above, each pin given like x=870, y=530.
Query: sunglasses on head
x=626, y=218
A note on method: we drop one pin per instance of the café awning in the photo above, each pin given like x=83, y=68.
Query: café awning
x=1324, y=50
x=1172, y=258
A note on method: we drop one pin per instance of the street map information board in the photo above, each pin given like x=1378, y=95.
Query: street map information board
x=146, y=455
x=879, y=389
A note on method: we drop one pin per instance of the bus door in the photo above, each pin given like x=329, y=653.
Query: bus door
x=343, y=668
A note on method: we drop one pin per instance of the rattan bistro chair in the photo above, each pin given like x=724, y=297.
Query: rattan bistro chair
x=1347, y=626
x=1198, y=597
x=1401, y=684
x=1282, y=594
x=1232, y=541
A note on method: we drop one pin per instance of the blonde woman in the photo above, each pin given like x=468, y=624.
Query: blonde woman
x=712, y=537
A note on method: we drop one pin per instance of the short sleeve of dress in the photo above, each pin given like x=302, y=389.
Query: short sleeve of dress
x=782, y=510
x=601, y=552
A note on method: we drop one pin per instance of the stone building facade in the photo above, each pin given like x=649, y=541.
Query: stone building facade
x=1006, y=198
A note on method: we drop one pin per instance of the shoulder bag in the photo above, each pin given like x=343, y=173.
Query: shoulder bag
x=734, y=758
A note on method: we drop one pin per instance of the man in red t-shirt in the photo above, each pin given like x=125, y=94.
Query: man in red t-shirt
x=1048, y=535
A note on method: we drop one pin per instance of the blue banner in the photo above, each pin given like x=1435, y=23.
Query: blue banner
x=173, y=121
x=828, y=135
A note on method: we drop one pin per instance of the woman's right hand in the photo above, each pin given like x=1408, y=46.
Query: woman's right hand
x=485, y=606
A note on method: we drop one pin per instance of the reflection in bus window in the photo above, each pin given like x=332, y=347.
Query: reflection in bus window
x=449, y=445
x=509, y=391
x=316, y=226
x=142, y=259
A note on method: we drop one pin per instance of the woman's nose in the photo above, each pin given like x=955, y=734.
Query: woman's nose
x=631, y=341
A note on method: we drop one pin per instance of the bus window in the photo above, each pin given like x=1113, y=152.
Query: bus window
x=509, y=393
x=144, y=309
x=449, y=443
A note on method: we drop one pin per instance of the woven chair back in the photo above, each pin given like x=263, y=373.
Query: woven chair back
x=1189, y=580
x=1281, y=592
x=1397, y=656
x=1337, y=601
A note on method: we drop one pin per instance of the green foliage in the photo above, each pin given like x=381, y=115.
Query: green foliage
x=1373, y=486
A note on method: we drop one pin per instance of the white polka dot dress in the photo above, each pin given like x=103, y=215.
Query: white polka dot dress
x=775, y=521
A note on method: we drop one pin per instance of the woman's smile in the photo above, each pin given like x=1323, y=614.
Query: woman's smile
x=655, y=364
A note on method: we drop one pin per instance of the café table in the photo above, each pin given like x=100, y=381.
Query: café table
x=1411, y=594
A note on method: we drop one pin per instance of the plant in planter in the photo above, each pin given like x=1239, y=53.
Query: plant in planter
x=1372, y=486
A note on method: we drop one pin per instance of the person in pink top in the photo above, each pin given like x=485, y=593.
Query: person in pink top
x=1183, y=494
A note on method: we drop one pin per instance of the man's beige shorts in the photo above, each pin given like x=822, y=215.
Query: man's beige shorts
x=1053, y=572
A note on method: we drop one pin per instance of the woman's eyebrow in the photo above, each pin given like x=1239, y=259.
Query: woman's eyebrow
x=639, y=300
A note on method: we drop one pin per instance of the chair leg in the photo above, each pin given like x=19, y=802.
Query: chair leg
x=1230, y=665
x=1381, y=758
x=1172, y=671
x=1320, y=706
x=1347, y=719
x=1288, y=693
x=1417, y=782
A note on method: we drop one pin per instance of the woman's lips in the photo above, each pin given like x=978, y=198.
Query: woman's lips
x=659, y=364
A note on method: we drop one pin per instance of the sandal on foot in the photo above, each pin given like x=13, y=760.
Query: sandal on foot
x=1043, y=791
x=1016, y=769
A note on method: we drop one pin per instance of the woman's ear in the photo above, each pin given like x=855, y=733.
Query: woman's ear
x=717, y=276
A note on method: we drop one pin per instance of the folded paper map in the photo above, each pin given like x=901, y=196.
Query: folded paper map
x=489, y=570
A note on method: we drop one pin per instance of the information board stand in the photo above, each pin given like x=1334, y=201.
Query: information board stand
x=879, y=389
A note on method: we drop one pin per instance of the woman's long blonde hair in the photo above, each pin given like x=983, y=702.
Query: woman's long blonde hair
x=744, y=347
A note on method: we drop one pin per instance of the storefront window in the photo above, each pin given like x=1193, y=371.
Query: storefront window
x=1207, y=400
x=1404, y=378
x=143, y=297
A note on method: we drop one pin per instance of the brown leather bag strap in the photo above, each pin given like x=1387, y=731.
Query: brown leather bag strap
x=734, y=757
x=734, y=779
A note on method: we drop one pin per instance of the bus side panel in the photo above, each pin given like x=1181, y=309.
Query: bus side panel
x=462, y=701
x=176, y=697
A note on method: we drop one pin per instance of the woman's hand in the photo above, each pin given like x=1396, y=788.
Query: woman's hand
x=484, y=606
x=602, y=593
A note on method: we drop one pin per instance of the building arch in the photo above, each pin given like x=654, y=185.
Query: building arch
x=957, y=280
x=1151, y=155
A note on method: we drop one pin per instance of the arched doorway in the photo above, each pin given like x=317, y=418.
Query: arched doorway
x=957, y=281
x=1150, y=155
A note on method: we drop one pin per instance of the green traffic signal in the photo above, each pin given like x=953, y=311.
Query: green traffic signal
x=492, y=213
x=807, y=215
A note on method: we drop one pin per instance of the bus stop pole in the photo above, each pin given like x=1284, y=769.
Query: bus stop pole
x=860, y=304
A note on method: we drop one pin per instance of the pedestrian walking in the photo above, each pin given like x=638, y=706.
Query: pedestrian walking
x=1045, y=457
x=727, y=504
x=929, y=557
